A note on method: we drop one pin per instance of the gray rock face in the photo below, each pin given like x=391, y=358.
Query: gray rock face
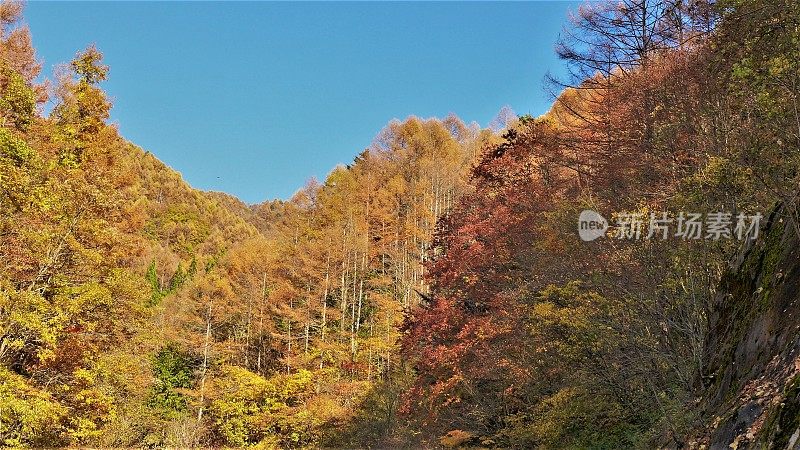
x=750, y=385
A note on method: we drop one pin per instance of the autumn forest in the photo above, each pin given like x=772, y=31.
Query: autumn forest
x=435, y=292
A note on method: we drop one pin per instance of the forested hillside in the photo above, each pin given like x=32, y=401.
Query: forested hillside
x=434, y=292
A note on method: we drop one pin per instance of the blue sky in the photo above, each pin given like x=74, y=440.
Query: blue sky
x=255, y=98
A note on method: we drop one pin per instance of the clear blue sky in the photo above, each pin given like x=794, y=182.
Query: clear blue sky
x=253, y=99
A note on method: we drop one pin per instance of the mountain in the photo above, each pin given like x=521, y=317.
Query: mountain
x=137, y=310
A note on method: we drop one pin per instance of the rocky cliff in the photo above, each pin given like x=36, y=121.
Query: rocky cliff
x=750, y=384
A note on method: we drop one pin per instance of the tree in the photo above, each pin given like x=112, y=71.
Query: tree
x=83, y=107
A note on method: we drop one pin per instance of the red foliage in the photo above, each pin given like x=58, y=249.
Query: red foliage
x=466, y=337
x=505, y=240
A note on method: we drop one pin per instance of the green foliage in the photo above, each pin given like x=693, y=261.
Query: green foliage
x=192, y=268
x=526, y=119
x=173, y=371
x=156, y=293
x=178, y=278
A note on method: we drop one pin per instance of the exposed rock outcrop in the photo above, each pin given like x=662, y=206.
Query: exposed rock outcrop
x=750, y=386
